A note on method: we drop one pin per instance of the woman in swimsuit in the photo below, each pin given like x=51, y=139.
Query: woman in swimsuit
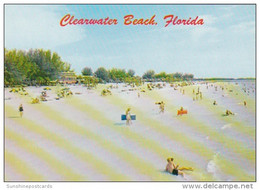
x=128, y=116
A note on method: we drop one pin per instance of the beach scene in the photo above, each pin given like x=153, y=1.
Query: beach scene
x=129, y=103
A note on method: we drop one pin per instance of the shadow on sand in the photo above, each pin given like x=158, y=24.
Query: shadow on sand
x=14, y=117
x=174, y=176
x=119, y=124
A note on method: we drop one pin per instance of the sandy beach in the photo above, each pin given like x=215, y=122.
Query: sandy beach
x=82, y=137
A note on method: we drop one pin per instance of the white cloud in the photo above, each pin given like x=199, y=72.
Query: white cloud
x=202, y=31
x=244, y=27
x=209, y=19
x=37, y=27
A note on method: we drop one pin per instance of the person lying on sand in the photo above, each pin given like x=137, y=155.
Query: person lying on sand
x=172, y=168
x=228, y=112
x=244, y=103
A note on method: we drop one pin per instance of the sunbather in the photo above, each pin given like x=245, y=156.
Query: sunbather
x=172, y=168
x=228, y=112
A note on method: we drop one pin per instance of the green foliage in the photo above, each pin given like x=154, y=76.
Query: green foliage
x=102, y=74
x=134, y=81
x=131, y=72
x=188, y=76
x=87, y=71
x=90, y=81
x=32, y=67
x=149, y=74
x=177, y=75
x=161, y=75
x=117, y=75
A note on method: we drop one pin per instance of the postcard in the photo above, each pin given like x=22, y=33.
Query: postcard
x=129, y=92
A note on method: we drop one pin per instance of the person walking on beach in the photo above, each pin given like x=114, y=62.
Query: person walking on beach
x=172, y=168
x=128, y=116
x=21, y=110
x=162, y=104
x=201, y=95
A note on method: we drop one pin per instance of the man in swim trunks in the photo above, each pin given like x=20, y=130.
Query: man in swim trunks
x=172, y=168
x=21, y=110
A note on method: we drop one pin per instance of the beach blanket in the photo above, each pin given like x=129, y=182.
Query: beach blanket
x=182, y=112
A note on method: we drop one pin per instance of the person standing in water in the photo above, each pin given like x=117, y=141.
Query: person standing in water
x=21, y=110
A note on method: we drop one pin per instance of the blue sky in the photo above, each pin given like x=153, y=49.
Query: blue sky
x=223, y=47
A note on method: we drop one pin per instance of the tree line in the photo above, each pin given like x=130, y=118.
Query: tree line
x=32, y=67
x=41, y=67
x=121, y=75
